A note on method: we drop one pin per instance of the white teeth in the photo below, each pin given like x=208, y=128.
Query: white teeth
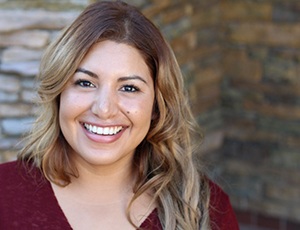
x=100, y=130
x=103, y=130
x=106, y=131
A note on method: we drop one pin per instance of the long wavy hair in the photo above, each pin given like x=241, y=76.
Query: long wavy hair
x=164, y=159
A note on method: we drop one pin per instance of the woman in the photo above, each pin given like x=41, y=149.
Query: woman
x=111, y=147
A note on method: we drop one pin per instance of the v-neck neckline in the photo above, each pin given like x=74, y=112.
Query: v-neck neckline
x=152, y=214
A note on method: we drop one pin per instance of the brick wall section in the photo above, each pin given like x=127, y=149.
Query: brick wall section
x=240, y=60
x=260, y=156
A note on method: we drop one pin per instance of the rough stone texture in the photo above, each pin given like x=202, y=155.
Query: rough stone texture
x=15, y=20
x=246, y=11
x=265, y=34
x=260, y=157
x=16, y=127
x=8, y=97
x=240, y=60
x=15, y=54
x=12, y=83
x=15, y=110
x=30, y=39
x=25, y=68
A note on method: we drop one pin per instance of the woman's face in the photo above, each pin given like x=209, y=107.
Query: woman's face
x=106, y=108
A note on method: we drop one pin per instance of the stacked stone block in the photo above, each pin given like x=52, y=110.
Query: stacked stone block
x=260, y=156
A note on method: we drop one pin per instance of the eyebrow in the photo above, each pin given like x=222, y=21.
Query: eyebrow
x=91, y=74
x=126, y=78
x=133, y=77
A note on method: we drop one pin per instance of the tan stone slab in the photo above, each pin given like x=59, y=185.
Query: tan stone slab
x=13, y=20
x=12, y=83
x=280, y=111
x=238, y=65
x=268, y=34
x=21, y=54
x=212, y=141
x=278, y=89
x=29, y=38
x=245, y=11
x=26, y=68
x=16, y=110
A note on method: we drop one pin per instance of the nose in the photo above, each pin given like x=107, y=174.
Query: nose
x=105, y=104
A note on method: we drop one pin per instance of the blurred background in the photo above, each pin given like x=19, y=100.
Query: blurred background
x=241, y=62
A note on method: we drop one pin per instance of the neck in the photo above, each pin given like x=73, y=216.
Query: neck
x=102, y=184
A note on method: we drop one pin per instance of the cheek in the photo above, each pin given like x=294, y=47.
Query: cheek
x=63, y=110
x=70, y=104
x=65, y=104
x=141, y=111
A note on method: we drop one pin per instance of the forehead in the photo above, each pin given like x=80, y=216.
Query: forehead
x=114, y=49
x=110, y=56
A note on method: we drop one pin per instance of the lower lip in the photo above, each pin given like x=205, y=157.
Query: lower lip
x=103, y=138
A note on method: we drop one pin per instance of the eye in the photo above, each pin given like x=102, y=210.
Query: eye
x=130, y=88
x=85, y=83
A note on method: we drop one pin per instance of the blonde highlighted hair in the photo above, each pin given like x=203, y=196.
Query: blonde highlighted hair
x=164, y=159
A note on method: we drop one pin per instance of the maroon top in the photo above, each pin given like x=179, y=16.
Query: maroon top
x=27, y=201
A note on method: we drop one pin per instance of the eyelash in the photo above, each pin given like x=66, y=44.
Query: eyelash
x=130, y=88
x=84, y=83
x=88, y=84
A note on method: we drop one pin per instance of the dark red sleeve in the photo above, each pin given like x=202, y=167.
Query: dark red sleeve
x=221, y=214
x=27, y=200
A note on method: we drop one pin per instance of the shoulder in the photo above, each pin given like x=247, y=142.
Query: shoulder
x=8, y=166
x=19, y=181
x=27, y=200
x=17, y=178
x=221, y=212
x=8, y=171
x=16, y=172
x=16, y=186
x=217, y=194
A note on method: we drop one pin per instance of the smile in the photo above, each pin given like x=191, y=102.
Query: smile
x=102, y=130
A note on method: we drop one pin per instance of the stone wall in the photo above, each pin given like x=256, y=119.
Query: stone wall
x=240, y=60
x=259, y=162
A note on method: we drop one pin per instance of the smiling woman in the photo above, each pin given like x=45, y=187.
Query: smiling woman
x=112, y=79
x=112, y=144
